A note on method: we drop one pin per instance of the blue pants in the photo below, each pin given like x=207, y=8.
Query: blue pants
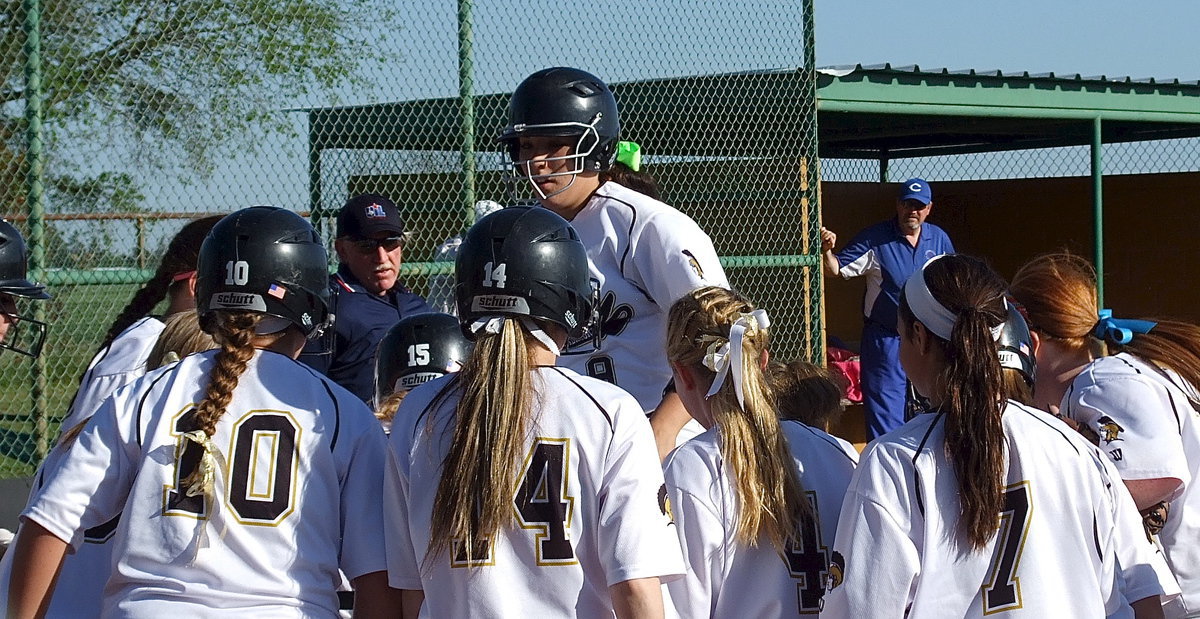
x=884, y=384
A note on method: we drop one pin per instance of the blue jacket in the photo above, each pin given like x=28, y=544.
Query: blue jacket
x=887, y=259
x=361, y=321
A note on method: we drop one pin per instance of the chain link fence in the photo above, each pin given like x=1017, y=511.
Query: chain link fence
x=123, y=119
x=1164, y=156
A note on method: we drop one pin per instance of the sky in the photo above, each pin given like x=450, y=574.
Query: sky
x=1098, y=37
x=655, y=38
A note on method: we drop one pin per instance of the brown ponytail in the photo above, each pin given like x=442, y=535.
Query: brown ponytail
x=970, y=387
x=640, y=182
x=180, y=257
x=234, y=331
x=475, y=494
x=753, y=445
x=1059, y=292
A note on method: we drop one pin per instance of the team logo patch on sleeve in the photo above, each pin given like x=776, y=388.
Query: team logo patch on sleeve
x=837, y=571
x=1110, y=430
x=695, y=264
x=664, y=503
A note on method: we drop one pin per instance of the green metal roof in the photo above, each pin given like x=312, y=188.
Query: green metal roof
x=872, y=112
x=885, y=111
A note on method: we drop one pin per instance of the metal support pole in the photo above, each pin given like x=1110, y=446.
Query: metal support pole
x=1098, y=207
x=812, y=187
x=316, y=212
x=883, y=166
x=466, y=93
x=36, y=204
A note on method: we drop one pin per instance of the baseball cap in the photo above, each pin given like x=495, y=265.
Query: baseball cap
x=368, y=214
x=916, y=189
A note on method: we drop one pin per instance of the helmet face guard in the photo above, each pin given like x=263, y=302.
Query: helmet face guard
x=581, y=154
x=25, y=336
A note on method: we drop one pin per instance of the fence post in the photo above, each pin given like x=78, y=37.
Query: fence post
x=466, y=93
x=140, y=227
x=1098, y=206
x=35, y=202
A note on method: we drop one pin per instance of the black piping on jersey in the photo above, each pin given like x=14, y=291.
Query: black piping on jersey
x=1096, y=537
x=436, y=401
x=629, y=246
x=1174, y=408
x=142, y=401
x=337, y=409
x=585, y=392
x=1022, y=408
x=917, y=473
x=826, y=438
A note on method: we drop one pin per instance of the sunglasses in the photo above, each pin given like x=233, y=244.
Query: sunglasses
x=367, y=246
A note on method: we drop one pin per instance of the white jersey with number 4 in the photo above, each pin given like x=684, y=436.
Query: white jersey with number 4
x=589, y=507
x=900, y=548
x=727, y=578
x=297, y=495
x=646, y=255
x=1149, y=429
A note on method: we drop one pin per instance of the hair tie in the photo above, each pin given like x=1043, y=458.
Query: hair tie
x=203, y=484
x=494, y=324
x=1119, y=330
x=630, y=154
x=722, y=354
x=925, y=308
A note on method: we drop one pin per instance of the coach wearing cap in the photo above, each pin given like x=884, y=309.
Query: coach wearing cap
x=887, y=253
x=368, y=297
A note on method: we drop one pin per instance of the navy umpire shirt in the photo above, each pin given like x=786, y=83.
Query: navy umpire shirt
x=361, y=321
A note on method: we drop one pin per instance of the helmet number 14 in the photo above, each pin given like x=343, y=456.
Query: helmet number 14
x=494, y=276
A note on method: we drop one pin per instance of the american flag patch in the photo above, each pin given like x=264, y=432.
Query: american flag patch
x=277, y=291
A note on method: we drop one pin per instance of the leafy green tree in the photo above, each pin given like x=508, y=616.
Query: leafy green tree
x=178, y=82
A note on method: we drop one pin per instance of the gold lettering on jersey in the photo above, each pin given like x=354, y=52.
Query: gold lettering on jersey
x=174, y=502
x=264, y=453
x=482, y=555
x=542, y=501
x=1002, y=590
x=263, y=472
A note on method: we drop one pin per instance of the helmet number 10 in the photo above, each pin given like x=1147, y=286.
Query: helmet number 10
x=237, y=273
x=494, y=276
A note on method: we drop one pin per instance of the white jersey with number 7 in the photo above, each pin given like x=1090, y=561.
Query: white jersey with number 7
x=900, y=549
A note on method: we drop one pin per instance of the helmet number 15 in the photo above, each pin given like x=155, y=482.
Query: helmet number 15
x=494, y=276
x=418, y=354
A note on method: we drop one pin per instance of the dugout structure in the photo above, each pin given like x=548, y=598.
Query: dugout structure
x=733, y=151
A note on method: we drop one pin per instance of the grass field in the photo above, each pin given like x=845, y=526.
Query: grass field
x=78, y=316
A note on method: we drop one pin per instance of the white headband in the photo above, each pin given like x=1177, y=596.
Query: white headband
x=725, y=353
x=492, y=324
x=939, y=320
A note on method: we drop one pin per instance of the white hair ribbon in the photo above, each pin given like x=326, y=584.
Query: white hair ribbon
x=939, y=320
x=493, y=324
x=722, y=355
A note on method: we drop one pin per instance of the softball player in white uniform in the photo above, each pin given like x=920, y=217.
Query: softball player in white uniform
x=918, y=534
x=755, y=499
x=1136, y=402
x=244, y=479
x=122, y=358
x=562, y=137
x=518, y=488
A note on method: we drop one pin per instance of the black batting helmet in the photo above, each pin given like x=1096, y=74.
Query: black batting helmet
x=525, y=261
x=265, y=259
x=418, y=349
x=1016, y=344
x=14, y=262
x=564, y=102
x=24, y=335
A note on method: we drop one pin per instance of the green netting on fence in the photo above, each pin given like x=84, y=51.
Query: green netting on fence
x=150, y=110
